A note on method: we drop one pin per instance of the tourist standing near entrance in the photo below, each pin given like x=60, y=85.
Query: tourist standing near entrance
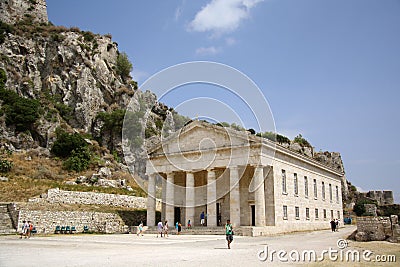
x=179, y=228
x=229, y=233
x=159, y=228
x=202, y=218
x=189, y=225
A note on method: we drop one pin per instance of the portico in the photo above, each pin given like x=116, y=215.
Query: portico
x=227, y=174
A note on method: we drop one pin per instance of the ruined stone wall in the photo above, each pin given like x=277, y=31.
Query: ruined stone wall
x=46, y=221
x=91, y=198
x=373, y=228
x=382, y=197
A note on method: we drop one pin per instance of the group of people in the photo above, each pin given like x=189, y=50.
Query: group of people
x=335, y=225
x=26, y=230
x=162, y=229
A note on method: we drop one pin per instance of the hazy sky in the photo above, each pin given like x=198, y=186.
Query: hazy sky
x=329, y=70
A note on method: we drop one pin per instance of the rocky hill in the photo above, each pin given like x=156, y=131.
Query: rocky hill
x=79, y=81
x=63, y=83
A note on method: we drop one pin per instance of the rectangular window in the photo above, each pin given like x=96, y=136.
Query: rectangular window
x=324, y=213
x=323, y=190
x=338, y=214
x=315, y=188
x=316, y=213
x=307, y=213
x=285, y=212
x=297, y=212
x=283, y=181
x=337, y=194
x=305, y=186
x=332, y=214
x=330, y=192
x=296, y=185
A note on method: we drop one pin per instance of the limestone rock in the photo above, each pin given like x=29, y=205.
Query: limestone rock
x=3, y=179
x=105, y=172
x=12, y=11
x=362, y=237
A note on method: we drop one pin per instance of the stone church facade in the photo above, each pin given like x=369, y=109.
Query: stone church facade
x=259, y=185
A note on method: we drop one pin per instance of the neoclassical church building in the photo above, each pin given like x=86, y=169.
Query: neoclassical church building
x=261, y=186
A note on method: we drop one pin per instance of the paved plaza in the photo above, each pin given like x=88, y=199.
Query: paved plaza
x=148, y=250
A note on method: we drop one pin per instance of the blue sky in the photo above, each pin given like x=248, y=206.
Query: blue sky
x=330, y=70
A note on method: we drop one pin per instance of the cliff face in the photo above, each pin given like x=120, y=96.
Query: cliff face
x=75, y=77
x=12, y=11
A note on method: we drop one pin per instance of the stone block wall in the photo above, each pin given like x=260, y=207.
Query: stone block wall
x=370, y=209
x=91, y=198
x=46, y=221
x=374, y=228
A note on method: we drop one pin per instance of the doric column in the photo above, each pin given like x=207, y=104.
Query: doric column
x=169, y=208
x=211, y=199
x=234, y=196
x=259, y=196
x=151, y=200
x=189, y=198
x=164, y=197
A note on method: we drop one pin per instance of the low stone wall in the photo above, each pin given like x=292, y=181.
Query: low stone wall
x=372, y=228
x=92, y=198
x=46, y=221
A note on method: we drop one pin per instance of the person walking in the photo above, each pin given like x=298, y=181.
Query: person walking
x=23, y=229
x=166, y=229
x=189, y=224
x=160, y=228
x=229, y=233
x=140, y=232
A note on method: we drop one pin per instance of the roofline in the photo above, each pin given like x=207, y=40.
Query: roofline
x=260, y=140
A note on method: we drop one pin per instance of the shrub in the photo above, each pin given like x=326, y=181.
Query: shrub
x=359, y=209
x=4, y=29
x=21, y=112
x=79, y=160
x=67, y=143
x=5, y=165
x=124, y=66
x=301, y=141
x=65, y=111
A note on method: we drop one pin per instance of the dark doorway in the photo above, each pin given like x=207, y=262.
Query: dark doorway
x=253, y=215
x=177, y=215
x=219, y=214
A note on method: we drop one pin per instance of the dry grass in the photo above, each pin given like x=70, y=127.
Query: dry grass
x=30, y=178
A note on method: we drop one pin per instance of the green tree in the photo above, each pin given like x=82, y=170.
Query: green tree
x=20, y=111
x=359, y=209
x=79, y=159
x=124, y=66
x=66, y=143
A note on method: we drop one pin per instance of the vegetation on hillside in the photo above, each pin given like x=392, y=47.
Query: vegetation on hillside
x=124, y=66
x=20, y=112
x=74, y=149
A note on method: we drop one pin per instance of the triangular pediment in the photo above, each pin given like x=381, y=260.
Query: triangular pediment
x=202, y=136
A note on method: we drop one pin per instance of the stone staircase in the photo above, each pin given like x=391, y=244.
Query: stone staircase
x=198, y=230
x=6, y=222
